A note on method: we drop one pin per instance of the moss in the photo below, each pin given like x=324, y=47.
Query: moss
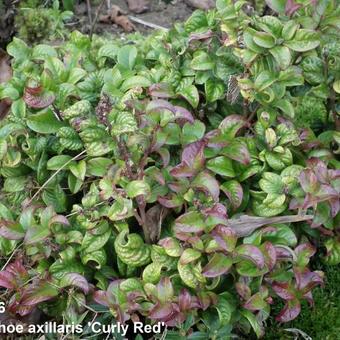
x=320, y=322
x=311, y=112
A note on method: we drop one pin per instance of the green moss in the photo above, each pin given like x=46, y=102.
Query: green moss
x=311, y=112
x=321, y=322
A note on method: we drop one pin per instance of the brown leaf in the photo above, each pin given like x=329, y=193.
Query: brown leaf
x=153, y=224
x=125, y=23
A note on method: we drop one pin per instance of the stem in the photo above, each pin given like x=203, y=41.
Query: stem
x=55, y=174
x=93, y=25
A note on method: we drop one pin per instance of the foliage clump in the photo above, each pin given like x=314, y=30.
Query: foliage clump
x=168, y=178
x=36, y=23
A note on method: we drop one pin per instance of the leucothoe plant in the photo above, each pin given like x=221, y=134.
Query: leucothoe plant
x=187, y=177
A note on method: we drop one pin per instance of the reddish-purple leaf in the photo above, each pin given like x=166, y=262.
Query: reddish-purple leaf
x=290, y=311
x=159, y=105
x=269, y=252
x=304, y=252
x=75, y=280
x=100, y=297
x=307, y=280
x=283, y=290
x=291, y=7
x=308, y=181
x=37, y=294
x=161, y=311
x=251, y=253
x=7, y=280
x=161, y=90
x=59, y=219
x=225, y=237
x=243, y=290
x=231, y=125
x=191, y=222
x=219, y=264
x=238, y=151
x=184, y=300
x=205, y=182
x=40, y=101
x=183, y=115
x=200, y=36
x=171, y=201
x=192, y=160
x=255, y=303
x=11, y=230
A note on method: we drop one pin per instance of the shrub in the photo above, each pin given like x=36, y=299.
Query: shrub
x=166, y=178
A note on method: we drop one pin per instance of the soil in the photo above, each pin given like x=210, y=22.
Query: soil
x=161, y=13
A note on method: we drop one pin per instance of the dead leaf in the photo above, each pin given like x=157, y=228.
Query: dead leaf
x=115, y=16
x=125, y=23
x=153, y=224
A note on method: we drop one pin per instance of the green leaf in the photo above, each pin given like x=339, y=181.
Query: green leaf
x=40, y=52
x=98, y=166
x=271, y=183
x=286, y=107
x=234, y=191
x=44, y=122
x=304, y=40
x=263, y=39
x=214, y=90
x=336, y=86
x=189, y=255
x=221, y=165
x=281, y=55
x=136, y=188
x=98, y=257
x=264, y=80
x=190, y=93
x=108, y=50
x=289, y=30
x=74, y=183
x=202, y=62
x=58, y=162
x=192, y=132
x=18, y=50
x=127, y=56
x=253, y=322
x=92, y=242
x=78, y=169
x=136, y=81
x=15, y=184
x=55, y=197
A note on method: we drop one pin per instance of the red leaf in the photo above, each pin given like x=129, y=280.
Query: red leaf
x=38, y=101
x=283, y=290
x=290, y=311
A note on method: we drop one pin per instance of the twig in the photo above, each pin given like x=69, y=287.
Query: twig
x=10, y=258
x=93, y=25
x=55, y=174
x=89, y=11
x=147, y=24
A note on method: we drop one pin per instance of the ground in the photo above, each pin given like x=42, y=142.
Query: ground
x=161, y=13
